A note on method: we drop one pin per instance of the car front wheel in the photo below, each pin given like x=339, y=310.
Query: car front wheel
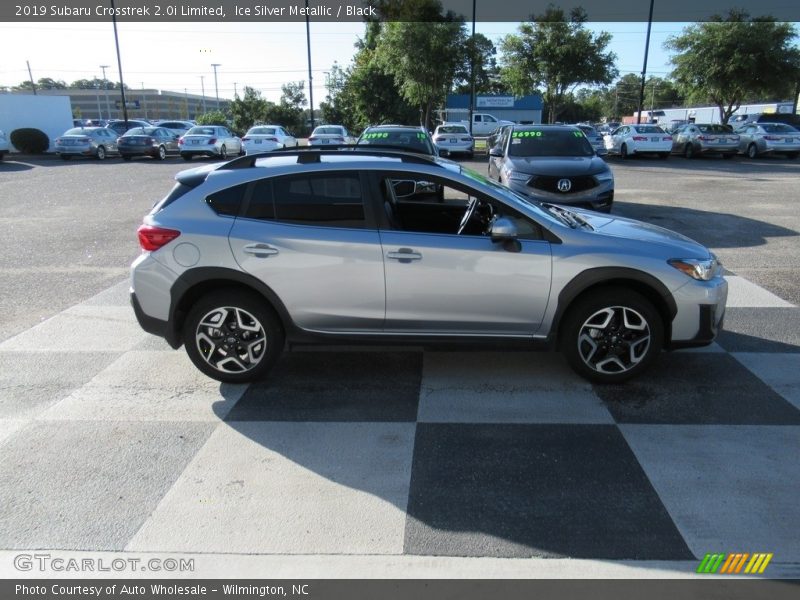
x=232, y=336
x=752, y=151
x=612, y=335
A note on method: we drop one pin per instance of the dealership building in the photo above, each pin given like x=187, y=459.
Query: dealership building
x=142, y=104
x=521, y=109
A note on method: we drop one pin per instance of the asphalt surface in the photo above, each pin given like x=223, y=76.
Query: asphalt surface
x=393, y=463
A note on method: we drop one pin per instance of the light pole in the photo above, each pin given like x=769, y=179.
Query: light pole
x=97, y=97
x=235, y=91
x=472, y=71
x=310, y=79
x=644, y=67
x=216, y=89
x=105, y=85
x=203, y=89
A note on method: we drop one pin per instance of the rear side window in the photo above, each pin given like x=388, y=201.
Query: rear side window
x=228, y=201
x=333, y=200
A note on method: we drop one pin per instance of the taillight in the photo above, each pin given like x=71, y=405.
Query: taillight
x=735, y=138
x=773, y=138
x=180, y=141
x=58, y=141
x=440, y=138
x=312, y=139
x=668, y=138
x=150, y=141
x=152, y=238
x=639, y=138
x=466, y=139
x=245, y=139
x=270, y=139
x=212, y=141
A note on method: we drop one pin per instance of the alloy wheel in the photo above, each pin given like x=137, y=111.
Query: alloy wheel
x=614, y=340
x=231, y=339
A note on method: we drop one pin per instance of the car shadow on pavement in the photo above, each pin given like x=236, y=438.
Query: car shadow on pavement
x=713, y=164
x=7, y=166
x=712, y=229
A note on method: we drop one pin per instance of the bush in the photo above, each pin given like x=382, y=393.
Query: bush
x=30, y=140
x=215, y=117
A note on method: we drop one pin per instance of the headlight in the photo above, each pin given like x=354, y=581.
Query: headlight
x=516, y=175
x=702, y=270
x=605, y=176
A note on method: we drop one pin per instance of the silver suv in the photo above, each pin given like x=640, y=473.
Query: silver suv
x=317, y=245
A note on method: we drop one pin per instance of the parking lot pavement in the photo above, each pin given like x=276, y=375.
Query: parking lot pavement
x=384, y=457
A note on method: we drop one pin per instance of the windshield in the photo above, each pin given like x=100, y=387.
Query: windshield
x=648, y=129
x=452, y=129
x=78, y=131
x=328, y=131
x=779, y=128
x=413, y=141
x=549, y=142
x=140, y=131
x=260, y=131
x=588, y=130
x=201, y=131
x=715, y=128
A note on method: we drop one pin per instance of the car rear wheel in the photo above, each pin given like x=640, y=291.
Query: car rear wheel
x=223, y=152
x=232, y=336
x=688, y=151
x=162, y=153
x=624, y=151
x=752, y=151
x=100, y=153
x=611, y=335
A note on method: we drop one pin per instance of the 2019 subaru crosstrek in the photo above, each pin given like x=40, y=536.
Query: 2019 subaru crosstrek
x=313, y=245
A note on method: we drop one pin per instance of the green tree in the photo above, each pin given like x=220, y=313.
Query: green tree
x=487, y=73
x=730, y=59
x=48, y=83
x=556, y=53
x=423, y=58
x=248, y=109
x=288, y=112
x=214, y=117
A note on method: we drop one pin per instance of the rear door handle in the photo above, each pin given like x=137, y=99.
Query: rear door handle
x=404, y=255
x=260, y=250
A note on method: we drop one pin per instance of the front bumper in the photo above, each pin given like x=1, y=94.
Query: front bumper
x=701, y=312
x=599, y=198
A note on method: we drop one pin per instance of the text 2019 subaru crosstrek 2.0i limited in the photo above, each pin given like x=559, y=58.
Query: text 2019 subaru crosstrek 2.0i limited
x=323, y=245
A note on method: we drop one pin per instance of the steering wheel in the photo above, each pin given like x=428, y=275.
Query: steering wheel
x=473, y=203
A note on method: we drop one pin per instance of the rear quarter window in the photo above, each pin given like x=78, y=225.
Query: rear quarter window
x=227, y=202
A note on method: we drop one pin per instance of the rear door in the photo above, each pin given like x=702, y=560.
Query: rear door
x=312, y=239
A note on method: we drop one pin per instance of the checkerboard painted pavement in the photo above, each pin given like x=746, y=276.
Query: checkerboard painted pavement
x=111, y=441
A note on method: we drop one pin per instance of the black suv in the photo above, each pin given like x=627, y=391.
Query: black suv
x=401, y=137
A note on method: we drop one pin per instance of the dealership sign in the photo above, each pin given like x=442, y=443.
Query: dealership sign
x=494, y=101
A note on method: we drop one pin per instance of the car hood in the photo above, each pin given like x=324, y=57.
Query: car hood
x=680, y=245
x=558, y=166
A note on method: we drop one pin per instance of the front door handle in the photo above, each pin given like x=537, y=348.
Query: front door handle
x=260, y=250
x=404, y=255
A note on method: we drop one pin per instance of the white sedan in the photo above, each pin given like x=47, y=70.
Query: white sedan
x=330, y=134
x=264, y=138
x=453, y=138
x=628, y=140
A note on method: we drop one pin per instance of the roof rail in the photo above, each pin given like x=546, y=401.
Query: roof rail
x=312, y=154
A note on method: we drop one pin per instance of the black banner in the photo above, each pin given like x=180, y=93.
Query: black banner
x=713, y=588
x=358, y=10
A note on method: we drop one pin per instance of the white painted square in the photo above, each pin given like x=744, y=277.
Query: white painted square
x=289, y=488
x=96, y=328
x=9, y=427
x=743, y=293
x=511, y=387
x=779, y=371
x=149, y=386
x=729, y=488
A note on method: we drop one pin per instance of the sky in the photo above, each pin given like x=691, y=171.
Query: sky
x=174, y=56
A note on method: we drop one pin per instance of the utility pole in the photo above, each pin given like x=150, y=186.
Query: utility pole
x=472, y=71
x=105, y=85
x=119, y=65
x=310, y=79
x=203, y=88
x=216, y=89
x=644, y=67
x=97, y=97
x=33, y=85
x=144, y=101
x=235, y=91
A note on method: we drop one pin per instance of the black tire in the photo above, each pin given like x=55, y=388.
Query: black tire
x=688, y=151
x=623, y=151
x=126, y=157
x=162, y=153
x=623, y=352
x=100, y=154
x=186, y=157
x=663, y=155
x=792, y=155
x=752, y=151
x=252, y=310
x=223, y=152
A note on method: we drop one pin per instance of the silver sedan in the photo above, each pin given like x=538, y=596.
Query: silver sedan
x=693, y=139
x=762, y=138
x=209, y=140
x=97, y=142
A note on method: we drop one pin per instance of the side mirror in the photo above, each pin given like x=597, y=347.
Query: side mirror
x=504, y=231
x=404, y=188
x=496, y=151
